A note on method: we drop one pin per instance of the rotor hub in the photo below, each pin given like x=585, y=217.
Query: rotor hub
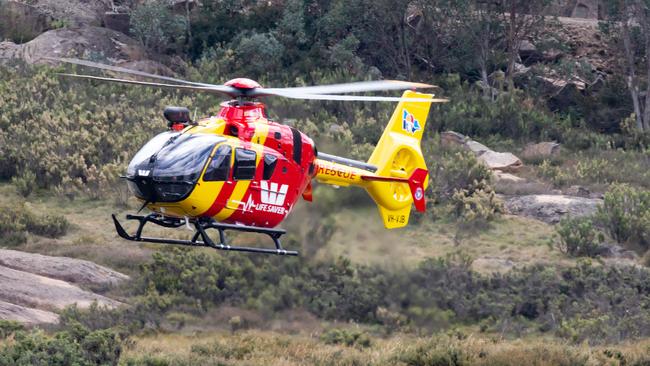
x=243, y=83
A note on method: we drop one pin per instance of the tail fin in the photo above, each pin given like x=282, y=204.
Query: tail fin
x=398, y=157
x=396, y=174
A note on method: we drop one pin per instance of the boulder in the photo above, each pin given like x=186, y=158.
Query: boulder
x=71, y=12
x=22, y=288
x=529, y=53
x=541, y=150
x=501, y=177
x=506, y=162
x=110, y=46
x=551, y=208
x=451, y=138
x=476, y=147
x=22, y=22
x=84, y=42
x=67, y=269
x=26, y=315
x=613, y=250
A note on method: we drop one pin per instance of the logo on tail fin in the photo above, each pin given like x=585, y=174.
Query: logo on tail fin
x=409, y=123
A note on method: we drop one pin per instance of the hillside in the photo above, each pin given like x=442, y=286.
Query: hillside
x=533, y=249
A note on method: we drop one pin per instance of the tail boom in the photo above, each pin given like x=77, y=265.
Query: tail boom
x=396, y=174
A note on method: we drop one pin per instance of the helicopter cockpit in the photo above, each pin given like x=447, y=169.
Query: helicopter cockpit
x=169, y=165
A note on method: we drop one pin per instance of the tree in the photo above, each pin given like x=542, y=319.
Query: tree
x=156, y=27
x=629, y=27
x=522, y=19
x=482, y=27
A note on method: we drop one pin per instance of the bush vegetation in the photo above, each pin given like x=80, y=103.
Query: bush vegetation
x=625, y=214
x=72, y=345
x=75, y=139
x=436, y=294
x=579, y=237
x=16, y=221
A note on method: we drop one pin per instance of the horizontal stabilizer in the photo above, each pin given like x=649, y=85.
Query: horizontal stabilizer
x=415, y=182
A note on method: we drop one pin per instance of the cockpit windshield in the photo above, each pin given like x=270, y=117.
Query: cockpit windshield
x=168, y=166
x=148, y=150
x=174, y=157
x=184, y=158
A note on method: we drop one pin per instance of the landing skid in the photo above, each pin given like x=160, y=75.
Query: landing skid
x=200, y=226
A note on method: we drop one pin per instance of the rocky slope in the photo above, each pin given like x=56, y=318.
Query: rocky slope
x=33, y=286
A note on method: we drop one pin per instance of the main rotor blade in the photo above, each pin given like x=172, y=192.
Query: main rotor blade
x=205, y=89
x=363, y=86
x=127, y=71
x=360, y=98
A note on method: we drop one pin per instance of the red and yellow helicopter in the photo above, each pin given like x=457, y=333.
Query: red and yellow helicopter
x=240, y=171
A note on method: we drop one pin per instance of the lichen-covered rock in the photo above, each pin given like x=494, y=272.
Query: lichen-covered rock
x=67, y=269
x=27, y=289
x=86, y=42
x=506, y=162
x=546, y=149
x=70, y=12
x=26, y=315
x=551, y=208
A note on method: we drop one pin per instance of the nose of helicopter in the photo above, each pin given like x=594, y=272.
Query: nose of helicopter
x=243, y=83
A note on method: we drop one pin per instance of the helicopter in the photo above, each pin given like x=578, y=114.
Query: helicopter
x=241, y=171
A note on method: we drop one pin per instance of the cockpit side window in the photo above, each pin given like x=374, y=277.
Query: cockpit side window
x=244, y=168
x=270, y=161
x=219, y=166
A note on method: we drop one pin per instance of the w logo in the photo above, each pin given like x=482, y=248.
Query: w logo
x=272, y=195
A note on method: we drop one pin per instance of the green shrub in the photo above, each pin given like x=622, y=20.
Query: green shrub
x=75, y=346
x=579, y=237
x=480, y=206
x=347, y=337
x=553, y=173
x=435, y=353
x=9, y=327
x=12, y=227
x=15, y=222
x=459, y=171
x=49, y=225
x=595, y=170
x=625, y=214
x=25, y=183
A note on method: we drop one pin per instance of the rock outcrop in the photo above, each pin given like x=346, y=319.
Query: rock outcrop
x=26, y=315
x=541, y=150
x=502, y=161
x=62, y=268
x=27, y=289
x=551, y=208
x=86, y=42
x=68, y=12
x=34, y=286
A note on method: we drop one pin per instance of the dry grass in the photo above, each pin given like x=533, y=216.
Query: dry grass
x=271, y=348
x=511, y=239
x=360, y=235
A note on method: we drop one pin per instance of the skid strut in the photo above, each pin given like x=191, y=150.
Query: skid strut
x=200, y=237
